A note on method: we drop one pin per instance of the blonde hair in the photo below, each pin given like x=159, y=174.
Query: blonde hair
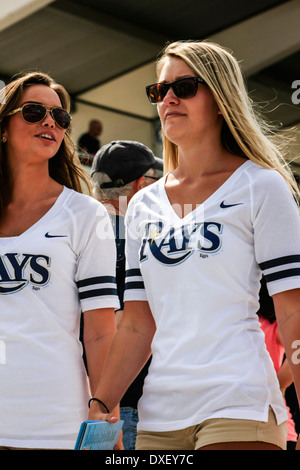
x=64, y=166
x=244, y=132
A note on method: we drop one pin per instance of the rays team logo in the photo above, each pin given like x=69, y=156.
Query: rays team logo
x=172, y=246
x=18, y=270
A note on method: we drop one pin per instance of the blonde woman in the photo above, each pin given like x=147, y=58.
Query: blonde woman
x=197, y=243
x=53, y=265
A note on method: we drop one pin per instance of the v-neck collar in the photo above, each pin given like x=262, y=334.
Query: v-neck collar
x=6, y=241
x=214, y=196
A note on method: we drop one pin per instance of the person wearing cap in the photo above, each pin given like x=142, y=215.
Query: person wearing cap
x=124, y=161
x=119, y=170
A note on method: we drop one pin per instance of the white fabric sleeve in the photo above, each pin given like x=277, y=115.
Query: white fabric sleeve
x=134, y=284
x=276, y=225
x=96, y=268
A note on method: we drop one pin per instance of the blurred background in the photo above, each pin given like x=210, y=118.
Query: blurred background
x=104, y=52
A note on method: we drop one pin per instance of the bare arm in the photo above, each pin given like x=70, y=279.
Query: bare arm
x=287, y=308
x=130, y=350
x=98, y=333
x=284, y=374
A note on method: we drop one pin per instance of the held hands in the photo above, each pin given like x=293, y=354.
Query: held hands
x=96, y=413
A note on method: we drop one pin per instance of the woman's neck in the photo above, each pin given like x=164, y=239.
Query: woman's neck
x=201, y=160
x=33, y=183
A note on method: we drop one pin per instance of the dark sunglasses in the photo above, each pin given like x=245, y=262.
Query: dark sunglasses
x=35, y=112
x=183, y=88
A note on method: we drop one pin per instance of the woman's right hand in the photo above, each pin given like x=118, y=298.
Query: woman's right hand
x=96, y=414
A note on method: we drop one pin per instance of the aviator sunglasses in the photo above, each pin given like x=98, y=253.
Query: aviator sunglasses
x=35, y=112
x=183, y=88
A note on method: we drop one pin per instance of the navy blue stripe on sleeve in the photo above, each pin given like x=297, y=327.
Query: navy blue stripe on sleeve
x=281, y=268
x=102, y=285
x=96, y=293
x=136, y=283
x=279, y=261
x=95, y=280
x=282, y=274
x=133, y=272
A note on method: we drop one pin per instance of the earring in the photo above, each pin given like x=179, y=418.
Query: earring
x=4, y=139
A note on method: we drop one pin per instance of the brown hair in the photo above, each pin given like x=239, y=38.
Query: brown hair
x=64, y=166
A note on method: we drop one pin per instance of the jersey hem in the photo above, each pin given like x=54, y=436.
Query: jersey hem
x=135, y=296
x=38, y=444
x=177, y=425
x=86, y=306
x=277, y=287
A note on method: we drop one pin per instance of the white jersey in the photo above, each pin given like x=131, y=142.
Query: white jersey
x=201, y=275
x=62, y=265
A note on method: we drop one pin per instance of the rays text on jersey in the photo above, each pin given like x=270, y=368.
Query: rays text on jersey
x=18, y=270
x=172, y=246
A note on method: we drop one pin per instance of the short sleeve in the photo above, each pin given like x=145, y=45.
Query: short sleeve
x=276, y=232
x=96, y=263
x=134, y=284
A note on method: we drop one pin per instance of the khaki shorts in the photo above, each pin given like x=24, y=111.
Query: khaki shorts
x=214, y=431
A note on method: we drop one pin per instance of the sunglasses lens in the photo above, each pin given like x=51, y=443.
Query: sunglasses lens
x=185, y=88
x=157, y=92
x=33, y=113
x=62, y=117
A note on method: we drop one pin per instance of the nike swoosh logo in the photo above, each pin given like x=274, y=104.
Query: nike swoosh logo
x=47, y=235
x=225, y=206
